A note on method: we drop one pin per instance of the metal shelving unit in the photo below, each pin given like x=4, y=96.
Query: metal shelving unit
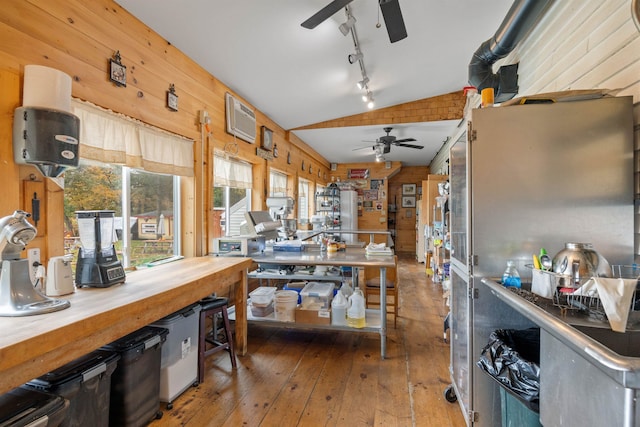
x=328, y=205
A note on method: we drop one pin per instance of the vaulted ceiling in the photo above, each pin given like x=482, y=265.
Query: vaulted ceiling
x=302, y=80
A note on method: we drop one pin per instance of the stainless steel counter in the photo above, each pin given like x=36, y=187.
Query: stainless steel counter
x=589, y=375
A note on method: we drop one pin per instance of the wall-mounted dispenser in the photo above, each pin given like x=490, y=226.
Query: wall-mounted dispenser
x=47, y=139
x=45, y=133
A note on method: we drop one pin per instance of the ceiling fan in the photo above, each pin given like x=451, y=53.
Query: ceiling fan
x=390, y=12
x=385, y=142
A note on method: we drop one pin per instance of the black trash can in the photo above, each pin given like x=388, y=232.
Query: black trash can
x=86, y=384
x=135, y=383
x=24, y=406
x=512, y=358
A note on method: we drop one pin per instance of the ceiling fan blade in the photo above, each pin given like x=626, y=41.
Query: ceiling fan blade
x=419, y=147
x=404, y=140
x=325, y=13
x=392, y=19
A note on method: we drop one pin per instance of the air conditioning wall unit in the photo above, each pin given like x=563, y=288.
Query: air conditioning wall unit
x=241, y=120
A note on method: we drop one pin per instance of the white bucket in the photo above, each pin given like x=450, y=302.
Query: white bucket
x=285, y=303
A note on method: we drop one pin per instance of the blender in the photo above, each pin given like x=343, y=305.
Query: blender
x=18, y=297
x=98, y=264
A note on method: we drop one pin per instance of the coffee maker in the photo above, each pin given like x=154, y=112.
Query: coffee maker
x=98, y=264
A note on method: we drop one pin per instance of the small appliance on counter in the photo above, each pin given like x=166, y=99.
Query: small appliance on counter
x=18, y=297
x=98, y=264
x=59, y=277
x=238, y=245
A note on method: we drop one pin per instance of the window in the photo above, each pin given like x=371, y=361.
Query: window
x=133, y=169
x=277, y=184
x=303, y=200
x=147, y=202
x=231, y=195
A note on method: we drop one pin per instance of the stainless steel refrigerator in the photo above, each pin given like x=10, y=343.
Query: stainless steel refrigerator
x=349, y=214
x=525, y=177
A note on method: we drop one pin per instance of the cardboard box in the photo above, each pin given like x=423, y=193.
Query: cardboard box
x=315, y=317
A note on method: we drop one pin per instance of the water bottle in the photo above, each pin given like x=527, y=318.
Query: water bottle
x=510, y=277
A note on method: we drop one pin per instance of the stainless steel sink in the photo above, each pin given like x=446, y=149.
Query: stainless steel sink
x=589, y=374
x=625, y=344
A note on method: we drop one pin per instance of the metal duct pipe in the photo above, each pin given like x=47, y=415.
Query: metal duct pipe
x=520, y=19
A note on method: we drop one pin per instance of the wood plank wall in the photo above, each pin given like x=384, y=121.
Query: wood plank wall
x=79, y=38
x=583, y=45
x=577, y=45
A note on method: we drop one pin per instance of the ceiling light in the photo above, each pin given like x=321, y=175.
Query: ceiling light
x=368, y=98
x=379, y=157
x=347, y=25
x=363, y=83
x=355, y=57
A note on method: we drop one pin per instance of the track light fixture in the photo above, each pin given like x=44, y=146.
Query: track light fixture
x=355, y=57
x=346, y=26
x=368, y=98
x=362, y=84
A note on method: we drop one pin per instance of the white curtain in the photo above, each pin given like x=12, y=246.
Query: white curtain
x=111, y=137
x=277, y=184
x=303, y=199
x=231, y=173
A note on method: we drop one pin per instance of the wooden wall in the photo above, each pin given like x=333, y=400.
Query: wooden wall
x=581, y=45
x=79, y=38
x=576, y=45
x=394, y=176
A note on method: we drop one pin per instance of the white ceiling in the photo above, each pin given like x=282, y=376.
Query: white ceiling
x=299, y=77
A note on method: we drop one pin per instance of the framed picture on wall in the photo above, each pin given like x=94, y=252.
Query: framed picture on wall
x=117, y=71
x=408, y=189
x=267, y=138
x=408, y=201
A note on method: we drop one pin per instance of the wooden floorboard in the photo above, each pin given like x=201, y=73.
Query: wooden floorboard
x=333, y=378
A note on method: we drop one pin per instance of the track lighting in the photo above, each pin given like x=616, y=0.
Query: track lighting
x=368, y=98
x=346, y=26
x=355, y=57
x=363, y=83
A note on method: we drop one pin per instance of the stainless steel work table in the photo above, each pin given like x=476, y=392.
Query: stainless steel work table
x=351, y=257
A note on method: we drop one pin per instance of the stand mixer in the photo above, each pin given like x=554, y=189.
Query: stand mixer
x=18, y=297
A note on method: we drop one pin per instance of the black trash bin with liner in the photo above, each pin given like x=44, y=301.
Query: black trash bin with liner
x=86, y=384
x=512, y=358
x=24, y=406
x=135, y=384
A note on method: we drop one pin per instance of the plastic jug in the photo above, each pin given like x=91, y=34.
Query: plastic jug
x=346, y=290
x=339, y=310
x=356, y=312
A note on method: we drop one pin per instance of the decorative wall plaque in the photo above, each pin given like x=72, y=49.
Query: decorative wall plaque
x=172, y=98
x=117, y=71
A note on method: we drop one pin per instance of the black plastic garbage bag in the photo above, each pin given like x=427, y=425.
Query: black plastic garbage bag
x=512, y=357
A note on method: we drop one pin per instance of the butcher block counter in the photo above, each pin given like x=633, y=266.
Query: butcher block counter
x=31, y=346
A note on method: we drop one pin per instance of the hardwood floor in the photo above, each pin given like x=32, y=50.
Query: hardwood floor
x=333, y=378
